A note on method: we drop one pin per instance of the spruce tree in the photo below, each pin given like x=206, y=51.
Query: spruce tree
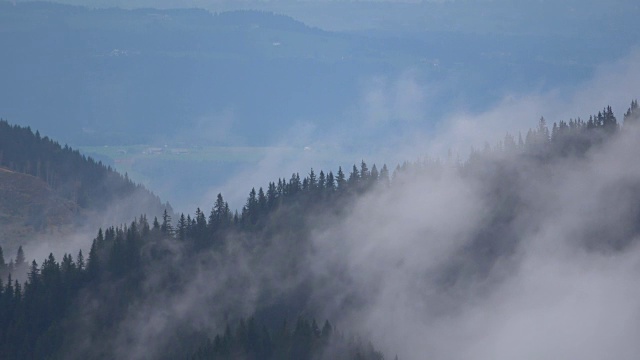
x=182, y=227
x=330, y=184
x=322, y=179
x=374, y=173
x=20, y=257
x=354, y=177
x=166, y=227
x=340, y=179
x=313, y=181
x=80, y=260
x=632, y=116
x=364, y=172
x=3, y=265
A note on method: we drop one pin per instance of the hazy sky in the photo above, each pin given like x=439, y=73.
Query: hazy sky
x=405, y=98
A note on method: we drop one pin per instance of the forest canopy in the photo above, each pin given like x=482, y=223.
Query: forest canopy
x=349, y=247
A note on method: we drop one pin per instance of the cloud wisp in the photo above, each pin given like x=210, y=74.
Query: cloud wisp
x=518, y=258
x=431, y=281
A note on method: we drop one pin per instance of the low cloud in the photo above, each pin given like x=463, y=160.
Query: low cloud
x=554, y=297
x=391, y=124
x=614, y=84
x=424, y=269
x=564, y=288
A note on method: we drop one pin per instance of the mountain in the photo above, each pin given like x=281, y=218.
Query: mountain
x=112, y=76
x=46, y=188
x=96, y=76
x=28, y=205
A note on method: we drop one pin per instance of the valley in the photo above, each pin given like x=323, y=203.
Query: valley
x=319, y=180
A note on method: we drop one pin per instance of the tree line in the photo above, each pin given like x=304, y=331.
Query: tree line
x=72, y=175
x=36, y=315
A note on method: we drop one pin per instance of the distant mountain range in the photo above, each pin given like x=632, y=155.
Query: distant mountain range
x=148, y=76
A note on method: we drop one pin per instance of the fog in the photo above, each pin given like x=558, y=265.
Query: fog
x=423, y=268
x=76, y=234
x=392, y=122
x=554, y=297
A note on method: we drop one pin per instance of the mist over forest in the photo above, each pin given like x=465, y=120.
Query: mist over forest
x=319, y=180
x=211, y=89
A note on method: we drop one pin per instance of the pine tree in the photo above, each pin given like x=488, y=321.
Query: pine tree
x=93, y=262
x=166, y=227
x=19, y=257
x=609, y=121
x=340, y=179
x=262, y=201
x=330, y=184
x=33, y=274
x=295, y=184
x=3, y=265
x=313, y=181
x=322, y=179
x=374, y=174
x=364, y=172
x=384, y=175
x=200, y=228
x=281, y=188
x=354, y=177
x=19, y=265
x=272, y=195
x=542, y=134
x=67, y=265
x=632, y=116
x=144, y=225
x=182, y=227
x=220, y=214
x=80, y=260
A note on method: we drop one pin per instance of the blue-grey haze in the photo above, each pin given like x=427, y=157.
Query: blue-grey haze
x=178, y=78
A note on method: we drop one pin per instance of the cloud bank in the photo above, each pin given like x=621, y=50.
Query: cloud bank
x=553, y=292
x=517, y=259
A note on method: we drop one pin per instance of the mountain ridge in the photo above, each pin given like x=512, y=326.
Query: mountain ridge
x=47, y=188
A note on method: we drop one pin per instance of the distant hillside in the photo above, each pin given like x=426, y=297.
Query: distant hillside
x=28, y=204
x=113, y=76
x=152, y=76
x=46, y=187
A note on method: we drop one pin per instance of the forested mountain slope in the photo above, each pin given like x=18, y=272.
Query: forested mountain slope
x=46, y=188
x=28, y=204
x=435, y=248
